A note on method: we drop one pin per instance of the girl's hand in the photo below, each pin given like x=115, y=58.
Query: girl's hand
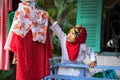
x=50, y=18
x=92, y=64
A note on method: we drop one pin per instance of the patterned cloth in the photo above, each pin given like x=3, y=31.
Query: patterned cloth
x=32, y=56
x=28, y=18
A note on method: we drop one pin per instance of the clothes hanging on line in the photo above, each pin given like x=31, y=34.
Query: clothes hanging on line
x=32, y=56
x=28, y=18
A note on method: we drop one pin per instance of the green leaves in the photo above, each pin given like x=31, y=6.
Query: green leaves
x=63, y=11
x=52, y=12
x=40, y=5
x=6, y=75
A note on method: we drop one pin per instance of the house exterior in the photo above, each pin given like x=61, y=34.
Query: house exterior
x=90, y=15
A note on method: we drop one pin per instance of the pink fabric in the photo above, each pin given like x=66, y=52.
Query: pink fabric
x=4, y=55
x=10, y=5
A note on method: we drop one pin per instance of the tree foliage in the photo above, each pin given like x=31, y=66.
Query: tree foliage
x=63, y=11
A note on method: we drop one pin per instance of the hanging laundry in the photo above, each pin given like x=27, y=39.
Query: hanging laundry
x=4, y=55
x=28, y=18
x=32, y=53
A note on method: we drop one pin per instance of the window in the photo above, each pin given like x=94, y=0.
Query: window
x=89, y=14
x=111, y=26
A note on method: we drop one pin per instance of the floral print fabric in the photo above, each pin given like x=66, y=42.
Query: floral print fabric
x=28, y=18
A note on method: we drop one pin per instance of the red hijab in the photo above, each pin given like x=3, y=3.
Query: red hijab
x=73, y=48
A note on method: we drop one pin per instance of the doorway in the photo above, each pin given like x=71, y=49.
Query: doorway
x=111, y=26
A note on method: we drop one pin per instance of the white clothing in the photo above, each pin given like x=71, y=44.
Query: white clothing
x=28, y=18
x=84, y=49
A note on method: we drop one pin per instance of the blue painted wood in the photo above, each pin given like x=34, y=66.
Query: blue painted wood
x=60, y=77
x=82, y=72
x=81, y=77
x=54, y=68
x=110, y=54
x=86, y=66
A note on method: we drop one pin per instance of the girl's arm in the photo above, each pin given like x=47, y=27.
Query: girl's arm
x=56, y=28
x=91, y=54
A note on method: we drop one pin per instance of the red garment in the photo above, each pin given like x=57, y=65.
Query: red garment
x=32, y=57
x=73, y=48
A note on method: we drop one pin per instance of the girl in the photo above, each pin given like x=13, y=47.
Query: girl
x=74, y=49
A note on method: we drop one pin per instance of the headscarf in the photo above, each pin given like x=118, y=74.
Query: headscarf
x=73, y=48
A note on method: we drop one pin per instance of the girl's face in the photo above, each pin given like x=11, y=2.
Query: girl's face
x=71, y=36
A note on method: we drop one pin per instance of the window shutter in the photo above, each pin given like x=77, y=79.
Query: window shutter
x=89, y=14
